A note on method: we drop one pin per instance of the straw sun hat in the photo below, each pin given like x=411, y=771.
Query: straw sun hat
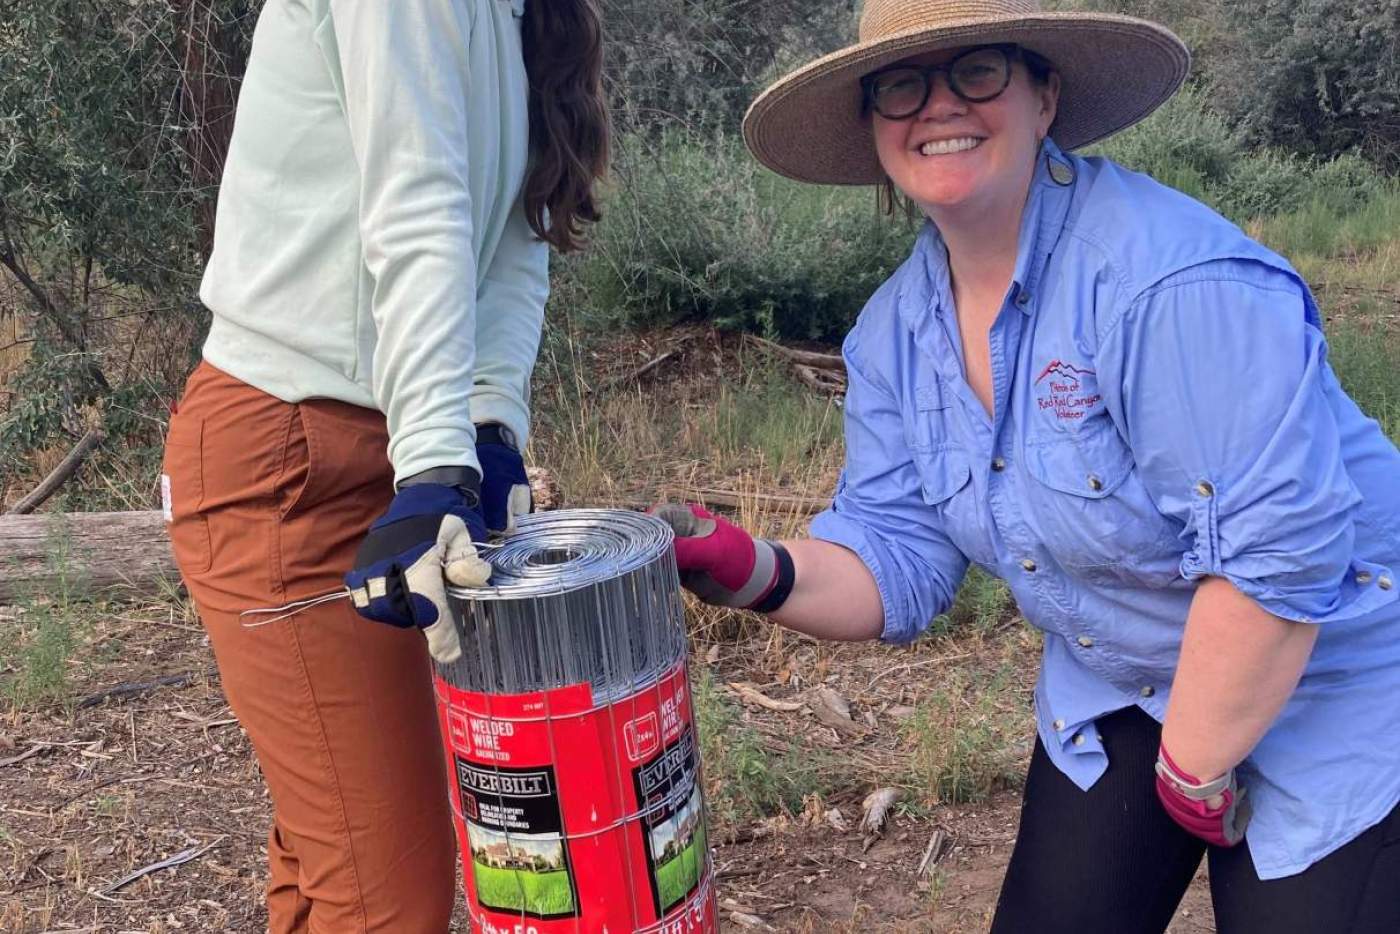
x=1114, y=70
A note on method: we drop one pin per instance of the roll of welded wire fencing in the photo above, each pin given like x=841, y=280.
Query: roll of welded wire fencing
x=570, y=734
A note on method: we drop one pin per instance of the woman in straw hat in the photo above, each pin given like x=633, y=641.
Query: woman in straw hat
x=1099, y=390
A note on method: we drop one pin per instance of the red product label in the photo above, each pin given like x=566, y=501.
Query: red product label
x=579, y=817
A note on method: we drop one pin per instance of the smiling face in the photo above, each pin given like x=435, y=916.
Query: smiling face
x=954, y=156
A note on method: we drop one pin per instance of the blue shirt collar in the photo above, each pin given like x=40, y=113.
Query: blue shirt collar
x=1047, y=205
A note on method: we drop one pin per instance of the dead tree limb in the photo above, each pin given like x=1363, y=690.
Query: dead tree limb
x=60, y=474
x=110, y=549
x=769, y=501
x=634, y=374
x=825, y=381
x=821, y=361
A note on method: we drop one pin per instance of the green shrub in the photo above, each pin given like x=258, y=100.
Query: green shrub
x=1348, y=183
x=1184, y=144
x=697, y=230
x=744, y=780
x=1321, y=229
x=1319, y=77
x=983, y=604
x=700, y=63
x=1369, y=369
x=964, y=736
x=1189, y=146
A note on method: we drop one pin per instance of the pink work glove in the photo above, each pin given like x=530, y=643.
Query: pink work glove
x=1216, y=811
x=722, y=564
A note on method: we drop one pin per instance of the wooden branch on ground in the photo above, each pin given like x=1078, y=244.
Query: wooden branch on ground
x=131, y=688
x=56, y=478
x=769, y=501
x=820, y=361
x=824, y=381
x=179, y=859
x=634, y=374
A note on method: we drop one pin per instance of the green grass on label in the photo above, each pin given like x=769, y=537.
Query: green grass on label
x=679, y=874
x=538, y=893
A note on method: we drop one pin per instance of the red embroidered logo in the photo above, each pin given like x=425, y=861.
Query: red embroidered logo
x=1069, y=391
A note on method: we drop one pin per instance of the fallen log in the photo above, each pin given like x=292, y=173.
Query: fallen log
x=88, y=549
x=98, y=550
x=771, y=502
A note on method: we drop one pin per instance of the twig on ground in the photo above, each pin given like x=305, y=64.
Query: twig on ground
x=132, y=688
x=31, y=751
x=753, y=695
x=906, y=666
x=180, y=858
x=937, y=846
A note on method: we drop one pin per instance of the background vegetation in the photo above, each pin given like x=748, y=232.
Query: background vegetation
x=114, y=118
x=113, y=121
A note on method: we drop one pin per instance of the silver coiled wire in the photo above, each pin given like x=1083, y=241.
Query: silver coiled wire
x=577, y=595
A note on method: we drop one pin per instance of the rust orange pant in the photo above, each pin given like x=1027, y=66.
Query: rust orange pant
x=268, y=502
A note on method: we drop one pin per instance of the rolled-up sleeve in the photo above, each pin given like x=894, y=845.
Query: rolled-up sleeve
x=1218, y=376
x=878, y=511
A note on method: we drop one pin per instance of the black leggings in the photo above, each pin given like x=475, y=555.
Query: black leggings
x=1110, y=860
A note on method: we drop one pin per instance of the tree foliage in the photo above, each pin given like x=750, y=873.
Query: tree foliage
x=101, y=206
x=1316, y=76
x=700, y=62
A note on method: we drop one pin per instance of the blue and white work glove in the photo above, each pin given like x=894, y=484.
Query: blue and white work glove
x=425, y=540
x=505, y=489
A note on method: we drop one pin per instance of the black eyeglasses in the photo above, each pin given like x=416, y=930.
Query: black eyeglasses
x=976, y=76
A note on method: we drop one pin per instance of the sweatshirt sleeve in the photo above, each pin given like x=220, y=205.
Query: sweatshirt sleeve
x=405, y=78
x=510, y=316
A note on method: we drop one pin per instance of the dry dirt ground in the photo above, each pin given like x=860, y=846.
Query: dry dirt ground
x=89, y=795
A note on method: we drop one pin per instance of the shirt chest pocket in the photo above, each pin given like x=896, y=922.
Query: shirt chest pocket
x=945, y=470
x=945, y=480
x=1092, y=512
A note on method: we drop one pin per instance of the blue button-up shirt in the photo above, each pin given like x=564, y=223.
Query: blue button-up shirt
x=1164, y=411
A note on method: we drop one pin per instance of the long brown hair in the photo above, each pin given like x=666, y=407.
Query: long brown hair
x=563, y=45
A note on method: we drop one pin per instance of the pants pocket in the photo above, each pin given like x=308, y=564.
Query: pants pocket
x=334, y=480
x=182, y=494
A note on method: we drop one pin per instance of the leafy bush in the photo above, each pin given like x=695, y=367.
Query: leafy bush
x=1316, y=77
x=106, y=195
x=1184, y=144
x=697, y=230
x=1319, y=77
x=1189, y=146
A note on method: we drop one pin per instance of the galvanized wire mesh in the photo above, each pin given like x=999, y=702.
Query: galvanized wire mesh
x=581, y=595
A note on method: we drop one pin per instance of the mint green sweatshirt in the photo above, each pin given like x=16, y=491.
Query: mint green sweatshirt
x=371, y=244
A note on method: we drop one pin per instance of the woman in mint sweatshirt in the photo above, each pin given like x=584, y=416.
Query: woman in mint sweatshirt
x=396, y=175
